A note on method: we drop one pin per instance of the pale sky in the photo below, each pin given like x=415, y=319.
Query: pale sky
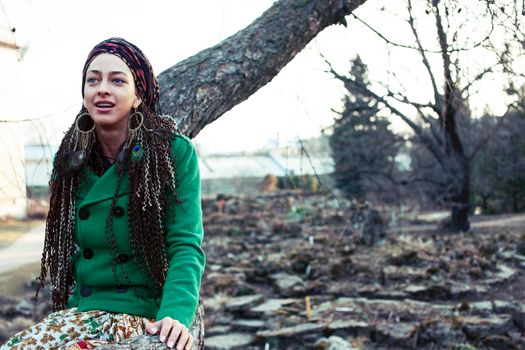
x=297, y=103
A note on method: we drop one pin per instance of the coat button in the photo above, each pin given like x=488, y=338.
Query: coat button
x=85, y=291
x=118, y=211
x=122, y=289
x=122, y=258
x=83, y=213
x=88, y=253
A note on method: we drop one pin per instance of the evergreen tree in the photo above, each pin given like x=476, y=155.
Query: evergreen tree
x=363, y=147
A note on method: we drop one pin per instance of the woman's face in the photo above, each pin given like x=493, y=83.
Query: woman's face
x=109, y=92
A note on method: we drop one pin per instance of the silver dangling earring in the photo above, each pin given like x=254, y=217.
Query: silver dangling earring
x=84, y=127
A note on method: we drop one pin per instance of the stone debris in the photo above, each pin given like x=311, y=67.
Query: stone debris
x=243, y=303
x=291, y=332
x=396, y=333
x=270, y=306
x=333, y=343
x=248, y=325
x=478, y=328
x=288, y=285
x=349, y=327
x=231, y=341
x=289, y=271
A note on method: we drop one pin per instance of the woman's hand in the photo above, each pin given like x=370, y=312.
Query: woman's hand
x=172, y=332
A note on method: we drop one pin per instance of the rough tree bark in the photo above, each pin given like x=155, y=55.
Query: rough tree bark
x=201, y=88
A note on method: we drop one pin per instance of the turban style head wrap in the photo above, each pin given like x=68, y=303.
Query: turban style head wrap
x=145, y=81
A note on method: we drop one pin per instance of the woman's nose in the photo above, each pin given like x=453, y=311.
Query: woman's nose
x=103, y=88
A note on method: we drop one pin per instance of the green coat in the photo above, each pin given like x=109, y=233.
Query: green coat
x=96, y=287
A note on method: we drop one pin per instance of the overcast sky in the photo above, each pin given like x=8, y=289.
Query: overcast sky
x=297, y=103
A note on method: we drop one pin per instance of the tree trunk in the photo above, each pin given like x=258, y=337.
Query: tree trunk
x=484, y=203
x=201, y=88
x=460, y=209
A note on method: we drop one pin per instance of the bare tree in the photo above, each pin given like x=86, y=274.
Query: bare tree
x=461, y=33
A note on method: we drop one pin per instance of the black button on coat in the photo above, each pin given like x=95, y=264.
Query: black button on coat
x=118, y=211
x=83, y=213
x=88, y=253
x=85, y=291
x=122, y=289
x=122, y=258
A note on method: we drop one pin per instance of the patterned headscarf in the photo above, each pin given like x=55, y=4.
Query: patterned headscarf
x=145, y=81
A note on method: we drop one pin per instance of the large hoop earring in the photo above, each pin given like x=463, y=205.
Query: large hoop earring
x=85, y=136
x=140, y=121
x=135, y=124
x=84, y=127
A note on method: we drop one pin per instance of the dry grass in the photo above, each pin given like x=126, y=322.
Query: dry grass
x=11, y=230
x=12, y=283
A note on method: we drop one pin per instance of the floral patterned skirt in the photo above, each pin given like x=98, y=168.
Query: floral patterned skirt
x=69, y=330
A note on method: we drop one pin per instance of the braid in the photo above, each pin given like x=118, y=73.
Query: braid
x=59, y=245
x=148, y=199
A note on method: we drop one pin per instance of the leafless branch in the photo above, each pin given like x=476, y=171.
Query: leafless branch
x=437, y=98
x=393, y=43
x=349, y=83
x=478, y=77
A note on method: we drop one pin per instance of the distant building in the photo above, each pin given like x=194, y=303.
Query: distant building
x=238, y=173
x=38, y=166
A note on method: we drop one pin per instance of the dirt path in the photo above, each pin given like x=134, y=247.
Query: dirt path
x=481, y=221
x=25, y=250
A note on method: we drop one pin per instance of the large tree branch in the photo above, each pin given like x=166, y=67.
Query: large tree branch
x=451, y=98
x=201, y=88
x=420, y=107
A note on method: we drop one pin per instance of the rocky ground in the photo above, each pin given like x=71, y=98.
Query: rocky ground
x=298, y=271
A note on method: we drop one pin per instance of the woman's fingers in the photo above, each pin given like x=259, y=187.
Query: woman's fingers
x=183, y=339
x=153, y=328
x=172, y=332
x=189, y=343
x=175, y=334
x=165, y=329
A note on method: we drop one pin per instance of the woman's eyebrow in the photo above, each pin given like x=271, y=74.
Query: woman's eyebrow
x=96, y=71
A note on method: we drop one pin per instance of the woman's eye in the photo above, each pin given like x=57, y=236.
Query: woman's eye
x=91, y=80
x=118, y=81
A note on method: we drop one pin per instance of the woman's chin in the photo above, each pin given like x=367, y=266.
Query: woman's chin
x=109, y=122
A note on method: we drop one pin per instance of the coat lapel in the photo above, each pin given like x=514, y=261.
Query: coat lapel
x=94, y=189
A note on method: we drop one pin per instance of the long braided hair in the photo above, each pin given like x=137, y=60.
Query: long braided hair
x=152, y=181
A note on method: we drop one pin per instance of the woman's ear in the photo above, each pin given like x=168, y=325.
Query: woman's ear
x=137, y=102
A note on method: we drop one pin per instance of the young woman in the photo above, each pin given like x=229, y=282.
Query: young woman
x=124, y=229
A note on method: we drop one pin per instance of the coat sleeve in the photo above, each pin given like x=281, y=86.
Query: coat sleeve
x=184, y=234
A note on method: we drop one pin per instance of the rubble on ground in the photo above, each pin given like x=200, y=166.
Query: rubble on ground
x=292, y=271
